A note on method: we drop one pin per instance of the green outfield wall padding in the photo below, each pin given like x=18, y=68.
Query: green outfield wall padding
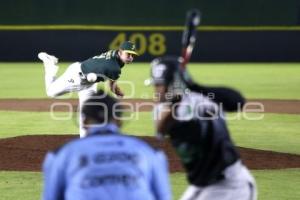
x=211, y=46
x=145, y=12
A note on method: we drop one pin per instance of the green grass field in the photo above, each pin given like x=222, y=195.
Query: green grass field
x=274, y=132
x=272, y=184
x=268, y=81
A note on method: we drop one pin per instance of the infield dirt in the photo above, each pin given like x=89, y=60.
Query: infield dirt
x=26, y=153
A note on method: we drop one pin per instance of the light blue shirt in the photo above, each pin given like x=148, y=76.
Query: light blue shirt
x=106, y=165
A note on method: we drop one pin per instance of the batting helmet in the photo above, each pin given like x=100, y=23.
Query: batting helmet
x=166, y=71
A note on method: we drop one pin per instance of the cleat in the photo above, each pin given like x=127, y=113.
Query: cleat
x=49, y=63
x=46, y=58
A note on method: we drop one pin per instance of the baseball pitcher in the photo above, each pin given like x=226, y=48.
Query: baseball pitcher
x=82, y=77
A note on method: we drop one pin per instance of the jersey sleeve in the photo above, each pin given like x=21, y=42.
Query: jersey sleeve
x=160, y=177
x=113, y=74
x=231, y=100
x=54, y=182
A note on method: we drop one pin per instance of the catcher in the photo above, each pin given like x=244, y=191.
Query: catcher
x=106, y=66
x=197, y=130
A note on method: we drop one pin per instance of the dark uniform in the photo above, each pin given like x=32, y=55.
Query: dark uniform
x=197, y=129
x=106, y=65
x=204, y=146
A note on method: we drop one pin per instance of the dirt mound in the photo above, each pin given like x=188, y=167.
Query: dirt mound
x=26, y=153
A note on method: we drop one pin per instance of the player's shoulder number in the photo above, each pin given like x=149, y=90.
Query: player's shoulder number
x=106, y=55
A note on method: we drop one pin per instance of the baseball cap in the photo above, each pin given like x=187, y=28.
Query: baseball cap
x=129, y=47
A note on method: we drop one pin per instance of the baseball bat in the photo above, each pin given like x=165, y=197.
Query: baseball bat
x=188, y=41
x=189, y=35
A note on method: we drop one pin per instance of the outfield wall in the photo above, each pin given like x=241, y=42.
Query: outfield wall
x=214, y=44
x=232, y=30
x=145, y=12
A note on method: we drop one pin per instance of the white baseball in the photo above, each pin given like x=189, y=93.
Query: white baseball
x=91, y=77
x=147, y=82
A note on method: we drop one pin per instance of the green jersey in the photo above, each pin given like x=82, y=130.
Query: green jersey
x=107, y=65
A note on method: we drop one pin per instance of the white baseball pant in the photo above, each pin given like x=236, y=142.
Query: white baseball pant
x=70, y=81
x=237, y=185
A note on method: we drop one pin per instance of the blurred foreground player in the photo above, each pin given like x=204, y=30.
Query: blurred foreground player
x=191, y=115
x=105, y=165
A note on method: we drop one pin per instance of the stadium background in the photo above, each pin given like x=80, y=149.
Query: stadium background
x=230, y=31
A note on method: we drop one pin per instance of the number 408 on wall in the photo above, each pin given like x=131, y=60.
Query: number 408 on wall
x=154, y=44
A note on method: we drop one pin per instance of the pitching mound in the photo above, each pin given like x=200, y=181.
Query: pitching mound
x=26, y=153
